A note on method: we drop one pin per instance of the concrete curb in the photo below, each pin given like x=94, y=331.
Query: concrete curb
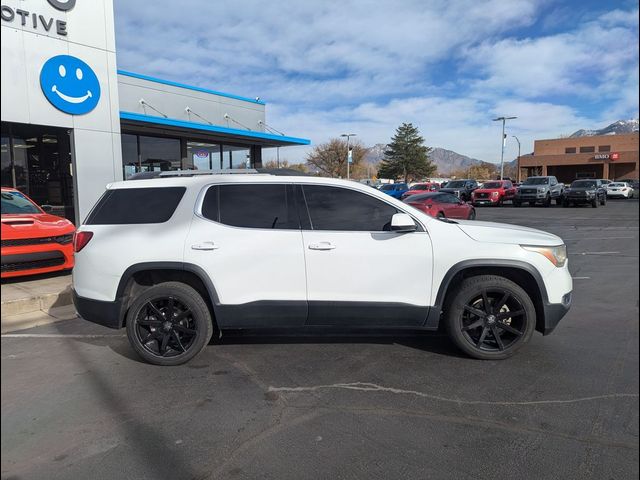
x=22, y=321
x=41, y=303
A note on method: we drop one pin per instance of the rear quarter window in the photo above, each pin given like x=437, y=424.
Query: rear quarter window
x=130, y=206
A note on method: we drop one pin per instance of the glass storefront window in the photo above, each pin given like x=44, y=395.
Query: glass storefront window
x=37, y=161
x=130, y=158
x=204, y=156
x=236, y=157
x=159, y=153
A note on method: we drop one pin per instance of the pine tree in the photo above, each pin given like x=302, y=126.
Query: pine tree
x=406, y=156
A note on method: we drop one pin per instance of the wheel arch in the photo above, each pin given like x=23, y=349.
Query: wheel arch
x=523, y=274
x=141, y=276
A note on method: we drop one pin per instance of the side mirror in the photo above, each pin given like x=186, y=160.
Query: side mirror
x=402, y=223
x=46, y=208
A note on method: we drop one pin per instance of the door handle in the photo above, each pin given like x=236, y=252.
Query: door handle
x=322, y=246
x=204, y=246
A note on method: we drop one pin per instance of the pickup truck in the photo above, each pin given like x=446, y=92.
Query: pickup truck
x=539, y=190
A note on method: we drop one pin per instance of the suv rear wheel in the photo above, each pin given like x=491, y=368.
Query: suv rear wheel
x=169, y=324
x=490, y=317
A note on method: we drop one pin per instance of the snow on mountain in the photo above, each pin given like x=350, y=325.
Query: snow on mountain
x=616, y=128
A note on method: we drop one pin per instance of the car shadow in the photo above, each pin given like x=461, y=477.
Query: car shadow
x=431, y=342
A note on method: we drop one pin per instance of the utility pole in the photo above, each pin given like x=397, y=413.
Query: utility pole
x=348, y=135
x=503, y=138
x=518, y=161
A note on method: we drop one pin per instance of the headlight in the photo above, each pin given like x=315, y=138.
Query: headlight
x=541, y=189
x=556, y=255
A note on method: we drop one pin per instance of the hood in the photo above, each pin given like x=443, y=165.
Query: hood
x=35, y=225
x=452, y=190
x=582, y=189
x=506, y=233
x=487, y=190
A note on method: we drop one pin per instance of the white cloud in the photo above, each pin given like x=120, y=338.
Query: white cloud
x=366, y=66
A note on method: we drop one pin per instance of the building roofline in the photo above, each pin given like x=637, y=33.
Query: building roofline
x=249, y=134
x=587, y=136
x=189, y=87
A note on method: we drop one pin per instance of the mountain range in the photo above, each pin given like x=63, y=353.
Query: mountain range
x=448, y=161
x=616, y=128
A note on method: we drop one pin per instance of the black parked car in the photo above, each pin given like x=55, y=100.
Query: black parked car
x=580, y=192
x=460, y=188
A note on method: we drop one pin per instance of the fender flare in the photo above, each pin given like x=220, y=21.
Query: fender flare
x=433, y=319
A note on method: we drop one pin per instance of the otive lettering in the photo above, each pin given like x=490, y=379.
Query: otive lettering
x=33, y=20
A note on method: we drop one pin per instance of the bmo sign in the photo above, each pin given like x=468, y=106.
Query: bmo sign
x=607, y=156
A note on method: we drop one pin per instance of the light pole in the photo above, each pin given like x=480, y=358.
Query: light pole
x=348, y=135
x=518, y=161
x=503, y=120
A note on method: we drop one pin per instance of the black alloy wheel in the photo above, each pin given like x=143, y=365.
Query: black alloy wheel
x=169, y=323
x=490, y=317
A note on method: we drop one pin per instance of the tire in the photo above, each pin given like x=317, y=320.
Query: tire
x=155, y=339
x=594, y=203
x=547, y=202
x=517, y=203
x=603, y=201
x=472, y=214
x=492, y=338
x=565, y=203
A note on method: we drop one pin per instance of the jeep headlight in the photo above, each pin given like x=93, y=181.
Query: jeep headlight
x=556, y=255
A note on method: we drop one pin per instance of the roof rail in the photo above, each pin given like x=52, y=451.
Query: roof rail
x=223, y=171
x=190, y=173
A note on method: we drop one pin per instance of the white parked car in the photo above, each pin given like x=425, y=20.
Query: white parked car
x=175, y=257
x=619, y=190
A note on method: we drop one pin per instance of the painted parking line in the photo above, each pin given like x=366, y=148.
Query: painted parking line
x=57, y=335
x=581, y=278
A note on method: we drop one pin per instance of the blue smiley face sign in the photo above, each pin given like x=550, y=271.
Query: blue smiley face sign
x=70, y=84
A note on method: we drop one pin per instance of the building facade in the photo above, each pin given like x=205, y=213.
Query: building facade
x=72, y=122
x=605, y=156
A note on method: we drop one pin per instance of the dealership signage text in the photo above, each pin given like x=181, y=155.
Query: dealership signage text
x=37, y=21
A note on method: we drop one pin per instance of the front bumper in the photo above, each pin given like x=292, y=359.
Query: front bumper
x=580, y=198
x=107, y=314
x=35, y=259
x=553, y=313
x=486, y=201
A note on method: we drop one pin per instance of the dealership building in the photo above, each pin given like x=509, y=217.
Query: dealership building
x=72, y=122
x=603, y=156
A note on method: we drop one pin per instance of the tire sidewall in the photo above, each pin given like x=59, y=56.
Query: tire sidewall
x=473, y=286
x=190, y=298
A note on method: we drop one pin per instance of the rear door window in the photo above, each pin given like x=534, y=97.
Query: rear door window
x=265, y=206
x=342, y=209
x=129, y=206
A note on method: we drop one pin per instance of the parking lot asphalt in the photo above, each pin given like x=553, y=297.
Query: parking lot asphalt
x=77, y=403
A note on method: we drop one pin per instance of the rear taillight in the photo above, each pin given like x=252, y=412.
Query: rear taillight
x=80, y=239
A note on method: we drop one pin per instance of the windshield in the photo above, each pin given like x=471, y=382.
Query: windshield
x=584, y=184
x=420, y=187
x=15, y=202
x=457, y=184
x=617, y=185
x=492, y=185
x=388, y=187
x=536, y=181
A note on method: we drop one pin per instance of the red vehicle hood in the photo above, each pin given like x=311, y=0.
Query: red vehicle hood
x=34, y=226
x=488, y=190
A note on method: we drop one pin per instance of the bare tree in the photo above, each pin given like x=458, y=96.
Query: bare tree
x=330, y=159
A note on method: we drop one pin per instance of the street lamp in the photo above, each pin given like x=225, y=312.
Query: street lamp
x=518, y=161
x=503, y=120
x=348, y=135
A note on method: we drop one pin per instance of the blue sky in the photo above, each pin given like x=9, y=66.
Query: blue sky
x=365, y=66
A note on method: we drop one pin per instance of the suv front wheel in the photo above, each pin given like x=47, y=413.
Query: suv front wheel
x=490, y=317
x=169, y=324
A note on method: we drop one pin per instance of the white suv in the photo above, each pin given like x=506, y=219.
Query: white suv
x=175, y=257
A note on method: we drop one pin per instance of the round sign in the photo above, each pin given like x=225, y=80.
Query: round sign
x=202, y=154
x=70, y=84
